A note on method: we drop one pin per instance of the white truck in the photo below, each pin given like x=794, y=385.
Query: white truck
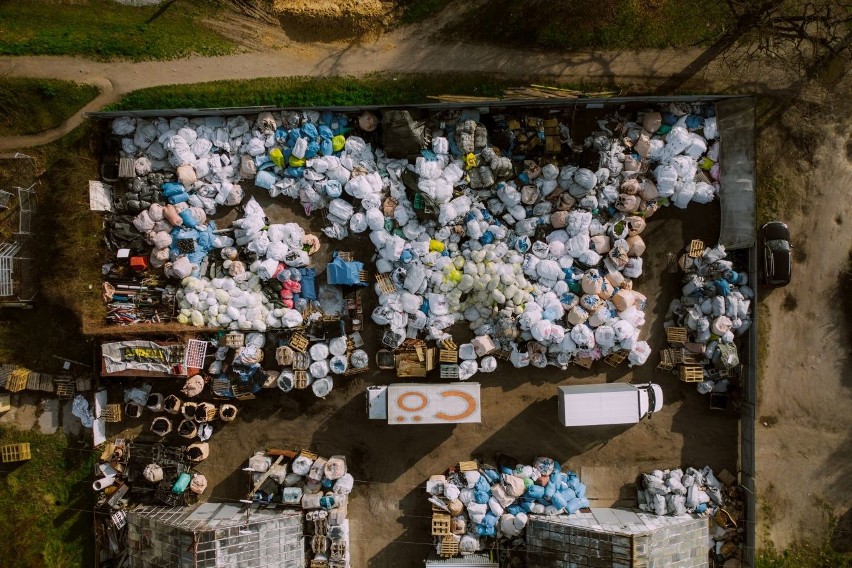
x=425, y=403
x=608, y=403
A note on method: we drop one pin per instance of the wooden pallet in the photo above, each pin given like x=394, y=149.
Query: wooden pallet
x=242, y=392
x=690, y=358
x=386, y=285
x=502, y=354
x=616, y=358
x=585, y=362
x=65, y=390
x=690, y=374
x=112, y=413
x=352, y=371
x=676, y=335
x=448, y=356
x=15, y=452
x=300, y=379
x=299, y=342
x=696, y=248
x=126, y=167
x=449, y=547
x=345, y=255
x=441, y=524
x=17, y=380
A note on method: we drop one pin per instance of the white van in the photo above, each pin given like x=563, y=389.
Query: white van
x=608, y=403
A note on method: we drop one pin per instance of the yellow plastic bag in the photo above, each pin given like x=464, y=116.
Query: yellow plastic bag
x=338, y=142
x=296, y=162
x=277, y=157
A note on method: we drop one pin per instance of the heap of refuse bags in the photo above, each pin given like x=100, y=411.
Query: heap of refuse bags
x=320, y=487
x=678, y=492
x=483, y=501
x=538, y=255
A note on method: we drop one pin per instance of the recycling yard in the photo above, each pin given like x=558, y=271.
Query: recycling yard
x=373, y=299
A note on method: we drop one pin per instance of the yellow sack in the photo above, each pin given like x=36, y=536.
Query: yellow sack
x=338, y=142
x=436, y=246
x=296, y=162
x=277, y=157
x=470, y=161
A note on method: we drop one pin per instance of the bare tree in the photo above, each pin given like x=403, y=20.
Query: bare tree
x=799, y=37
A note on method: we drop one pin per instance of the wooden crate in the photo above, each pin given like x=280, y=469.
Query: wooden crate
x=691, y=374
x=345, y=255
x=15, y=452
x=17, y=380
x=65, y=390
x=616, y=358
x=84, y=384
x=696, y=248
x=449, y=546
x=448, y=356
x=126, y=167
x=112, y=413
x=676, y=335
x=689, y=358
x=468, y=466
x=299, y=342
x=301, y=361
x=441, y=524
x=386, y=285
x=300, y=379
x=585, y=362
x=242, y=392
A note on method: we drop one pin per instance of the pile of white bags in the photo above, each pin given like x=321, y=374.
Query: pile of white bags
x=678, y=492
x=496, y=503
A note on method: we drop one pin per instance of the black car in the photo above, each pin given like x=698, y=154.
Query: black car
x=777, y=260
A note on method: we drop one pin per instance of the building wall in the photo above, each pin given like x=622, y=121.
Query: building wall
x=679, y=546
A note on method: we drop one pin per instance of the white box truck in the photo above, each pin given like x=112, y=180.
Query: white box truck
x=608, y=403
x=425, y=403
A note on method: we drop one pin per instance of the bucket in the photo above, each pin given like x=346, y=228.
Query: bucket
x=285, y=381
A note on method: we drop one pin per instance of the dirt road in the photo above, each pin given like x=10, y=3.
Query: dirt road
x=409, y=50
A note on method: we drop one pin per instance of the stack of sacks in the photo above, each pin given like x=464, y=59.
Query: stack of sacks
x=715, y=306
x=675, y=492
x=312, y=485
x=496, y=503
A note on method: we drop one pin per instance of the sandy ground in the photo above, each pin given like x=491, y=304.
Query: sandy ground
x=804, y=448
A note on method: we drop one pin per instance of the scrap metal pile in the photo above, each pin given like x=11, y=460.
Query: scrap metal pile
x=474, y=502
x=498, y=222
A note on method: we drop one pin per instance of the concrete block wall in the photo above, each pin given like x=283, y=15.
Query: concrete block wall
x=677, y=546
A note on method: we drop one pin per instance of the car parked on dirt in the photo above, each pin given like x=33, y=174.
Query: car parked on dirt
x=777, y=257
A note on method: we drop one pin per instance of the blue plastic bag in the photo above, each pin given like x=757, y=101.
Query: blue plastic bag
x=309, y=131
x=312, y=150
x=575, y=505
x=179, y=198
x=326, y=148
x=482, y=485
x=188, y=219
x=481, y=497
x=264, y=179
x=535, y=491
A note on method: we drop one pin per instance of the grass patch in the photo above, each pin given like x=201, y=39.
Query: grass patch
x=46, y=503
x=415, y=11
x=106, y=30
x=28, y=106
x=375, y=88
x=594, y=24
x=800, y=555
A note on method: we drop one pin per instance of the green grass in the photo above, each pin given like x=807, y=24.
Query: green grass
x=594, y=24
x=313, y=91
x=28, y=106
x=106, y=30
x=376, y=88
x=47, y=504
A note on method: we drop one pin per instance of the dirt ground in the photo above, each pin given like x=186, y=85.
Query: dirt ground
x=804, y=448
